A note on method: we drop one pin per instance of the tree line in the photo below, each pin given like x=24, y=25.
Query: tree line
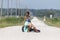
x=35, y=12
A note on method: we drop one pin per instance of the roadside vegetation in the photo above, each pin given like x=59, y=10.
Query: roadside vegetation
x=11, y=21
x=53, y=22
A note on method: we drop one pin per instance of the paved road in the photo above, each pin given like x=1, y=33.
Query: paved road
x=15, y=33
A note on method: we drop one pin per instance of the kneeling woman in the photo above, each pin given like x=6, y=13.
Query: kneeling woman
x=28, y=26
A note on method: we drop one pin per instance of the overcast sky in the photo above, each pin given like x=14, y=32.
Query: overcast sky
x=33, y=4
x=12, y=3
x=40, y=4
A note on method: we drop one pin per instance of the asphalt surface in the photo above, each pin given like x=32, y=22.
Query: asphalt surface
x=15, y=32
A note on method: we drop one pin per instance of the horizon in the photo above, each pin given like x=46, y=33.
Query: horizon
x=29, y=8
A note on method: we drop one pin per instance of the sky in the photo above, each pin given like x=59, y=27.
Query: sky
x=40, y=4
x=12, y=3
x=33, y=4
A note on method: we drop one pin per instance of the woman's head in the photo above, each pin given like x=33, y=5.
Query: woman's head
x=27, y=13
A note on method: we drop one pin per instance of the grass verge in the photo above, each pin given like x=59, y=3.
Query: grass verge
x=11, y=21
x=53, y=22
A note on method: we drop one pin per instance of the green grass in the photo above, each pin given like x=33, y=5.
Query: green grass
x=11, y=21
x=53, y=22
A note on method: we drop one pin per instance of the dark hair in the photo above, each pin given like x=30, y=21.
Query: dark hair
x=28, y=12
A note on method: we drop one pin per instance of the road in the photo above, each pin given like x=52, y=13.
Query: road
x=15, y=32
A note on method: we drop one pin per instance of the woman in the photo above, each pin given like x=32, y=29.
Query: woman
x=28, y=25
